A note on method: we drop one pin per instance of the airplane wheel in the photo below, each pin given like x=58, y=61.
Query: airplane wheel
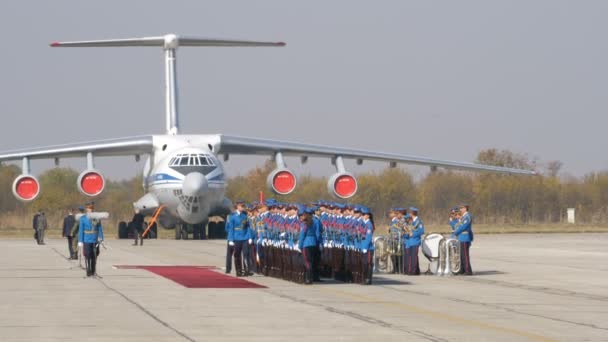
x=196, y=232
x=184, y=230
x=178, y=232
x=203, y=229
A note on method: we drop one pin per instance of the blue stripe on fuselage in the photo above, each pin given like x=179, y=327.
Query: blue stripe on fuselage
x=158, y=177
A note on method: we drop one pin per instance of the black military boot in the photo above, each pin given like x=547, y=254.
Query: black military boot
x=87, y=262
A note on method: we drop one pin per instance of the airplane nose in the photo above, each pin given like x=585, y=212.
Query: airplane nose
x=195, y=184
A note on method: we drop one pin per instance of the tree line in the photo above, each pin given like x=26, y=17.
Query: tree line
x=494, y=198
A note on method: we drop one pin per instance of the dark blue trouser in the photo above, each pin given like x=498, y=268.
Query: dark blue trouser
x=465, y=258
x=229, y=252
x=413, y=266
x=406, y=260
x=247, y=254
x=309, y=263
x=240, y=248
x=90, y=256
x=71, y=246
x=368, y=266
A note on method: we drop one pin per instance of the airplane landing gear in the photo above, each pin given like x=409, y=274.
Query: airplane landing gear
x=181, y=232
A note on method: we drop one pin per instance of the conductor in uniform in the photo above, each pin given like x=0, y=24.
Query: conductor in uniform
x=89, y=237
x=238, y=235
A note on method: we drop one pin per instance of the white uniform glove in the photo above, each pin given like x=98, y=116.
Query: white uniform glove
x=298, y=249
x=364, y=251
x=230, y=243
x=80, y=244
x=250, y=241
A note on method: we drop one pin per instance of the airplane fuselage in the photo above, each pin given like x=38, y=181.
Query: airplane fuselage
x=185, y=176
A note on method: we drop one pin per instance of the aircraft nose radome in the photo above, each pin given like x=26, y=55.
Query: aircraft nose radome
x=195, y=184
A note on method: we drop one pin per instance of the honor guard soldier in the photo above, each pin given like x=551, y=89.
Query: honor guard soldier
x=89, y=237
x=259, y=235
x=414, y=239
x=249, y=249
x=464, y=233
x=307, y=243
x=316, y=221
x=238, y=234
x=367, y=246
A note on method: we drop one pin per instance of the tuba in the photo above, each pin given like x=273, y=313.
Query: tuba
x=443, y=254
x=381, y=253
x=395, y=245
x=449, y=256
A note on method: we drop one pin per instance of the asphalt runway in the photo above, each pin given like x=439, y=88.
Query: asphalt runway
x=549, y=287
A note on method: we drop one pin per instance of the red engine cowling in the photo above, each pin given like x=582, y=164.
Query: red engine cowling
x=26, y=188
x=91, y=182
x=343, y=185
x=281, y=181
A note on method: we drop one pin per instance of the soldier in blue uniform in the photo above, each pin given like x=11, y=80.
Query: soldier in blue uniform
x=316, y=221
x=464, y=233
x=414, y=239
x=259, y=235
x=89, y=236
x=367, y=246
x=238, y=235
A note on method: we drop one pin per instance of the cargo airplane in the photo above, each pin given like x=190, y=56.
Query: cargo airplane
x=183, y=174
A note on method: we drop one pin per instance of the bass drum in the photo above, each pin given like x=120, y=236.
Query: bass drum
x=381, y=254
x=430, y=249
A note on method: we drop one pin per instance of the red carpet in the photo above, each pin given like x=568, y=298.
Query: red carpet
x=197, y=277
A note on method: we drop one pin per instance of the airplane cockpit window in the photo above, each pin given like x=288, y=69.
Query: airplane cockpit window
x=189, y=162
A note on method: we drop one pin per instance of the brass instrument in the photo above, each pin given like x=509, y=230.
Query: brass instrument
x=395, y=245
x=381, y=254
x=443, y=254
x=449, y=256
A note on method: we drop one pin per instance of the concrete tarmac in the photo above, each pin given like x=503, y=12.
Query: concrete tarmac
x=527, y=288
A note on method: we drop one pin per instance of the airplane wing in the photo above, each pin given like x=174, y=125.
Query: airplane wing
x=101, y=148
x=254, y=146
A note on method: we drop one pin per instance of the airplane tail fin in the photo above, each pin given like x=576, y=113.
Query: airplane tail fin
x=169, y=43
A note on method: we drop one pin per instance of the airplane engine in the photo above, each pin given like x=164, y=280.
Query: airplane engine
x=342, y=184
x=281, y=181
x=26, y=188
x=91, y=182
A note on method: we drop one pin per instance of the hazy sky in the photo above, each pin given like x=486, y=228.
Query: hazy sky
x=441, y=79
